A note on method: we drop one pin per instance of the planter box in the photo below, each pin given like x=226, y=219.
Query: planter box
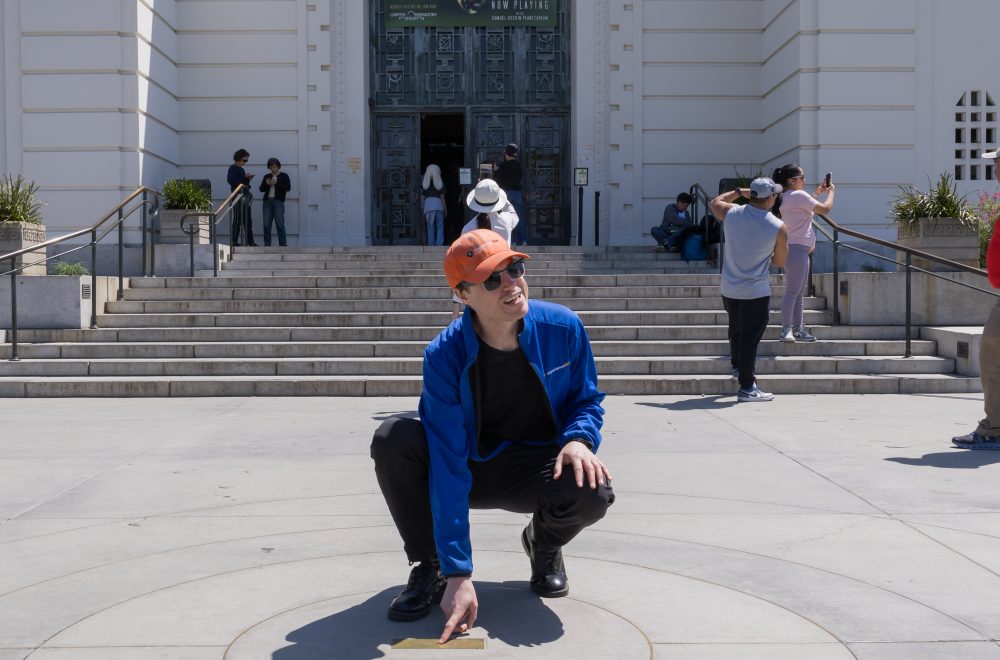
x=55, y=301
x=168, y=223
x=17, y=236
x=942, y=237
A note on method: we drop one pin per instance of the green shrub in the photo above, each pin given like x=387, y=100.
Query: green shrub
x=872, y=268
x=64, y=268
x=19, y=201
x=185, y=194
x=940, y=200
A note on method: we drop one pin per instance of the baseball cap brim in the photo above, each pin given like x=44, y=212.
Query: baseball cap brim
x=991, y=154
x=490, y=264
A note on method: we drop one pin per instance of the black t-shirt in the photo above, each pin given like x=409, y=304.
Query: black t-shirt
x=511, y=403
x=508, y=175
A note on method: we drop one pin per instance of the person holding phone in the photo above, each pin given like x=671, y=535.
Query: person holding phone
x=274, y=186
x=796, y=209
x=242, y=222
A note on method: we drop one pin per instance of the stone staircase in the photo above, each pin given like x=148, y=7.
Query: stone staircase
x=354, y=322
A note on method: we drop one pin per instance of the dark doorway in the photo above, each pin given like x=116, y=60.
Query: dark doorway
x=442, y=142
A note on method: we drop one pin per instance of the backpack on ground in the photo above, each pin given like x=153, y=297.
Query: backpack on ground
x=694, y=248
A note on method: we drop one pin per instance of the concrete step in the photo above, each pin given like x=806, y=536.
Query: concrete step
x=271, y=386
x=430, y=272
x=411, y=305
x=330, y=280
x=434, y=292
x=690, y=333
x=411, y=366
x=440, y=319
x=357, y=349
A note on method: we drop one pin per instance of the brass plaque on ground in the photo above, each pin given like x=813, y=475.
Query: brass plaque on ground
x=457, y=643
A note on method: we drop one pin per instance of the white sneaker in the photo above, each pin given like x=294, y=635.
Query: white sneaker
x=800, y=334
x=753, y=394
x=787, y=335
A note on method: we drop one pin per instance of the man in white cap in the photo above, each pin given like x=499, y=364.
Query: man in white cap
x=987, y=433
x=755, y=239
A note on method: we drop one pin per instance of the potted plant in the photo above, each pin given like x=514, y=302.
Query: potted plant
x=21, y=222
x=181, y=196
x=938, y=221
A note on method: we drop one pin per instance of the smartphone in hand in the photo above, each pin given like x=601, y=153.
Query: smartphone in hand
x=828, y=180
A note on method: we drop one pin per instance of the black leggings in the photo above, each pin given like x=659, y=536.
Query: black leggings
x=518, y=480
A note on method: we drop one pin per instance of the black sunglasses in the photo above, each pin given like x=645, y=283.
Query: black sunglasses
x=514, y=270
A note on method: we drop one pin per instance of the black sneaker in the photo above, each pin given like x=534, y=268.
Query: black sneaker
x=548, y=573
x=976, y=440
x=424, y=588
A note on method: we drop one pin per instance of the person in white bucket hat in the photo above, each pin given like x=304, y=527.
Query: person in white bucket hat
x=493, y=211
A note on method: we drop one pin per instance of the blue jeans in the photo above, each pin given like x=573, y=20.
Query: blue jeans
x=666, y=237
x=435, y=227
x=516, y=198
x=274, y=211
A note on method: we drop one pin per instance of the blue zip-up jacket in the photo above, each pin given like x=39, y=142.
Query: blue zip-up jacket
x=556, y=344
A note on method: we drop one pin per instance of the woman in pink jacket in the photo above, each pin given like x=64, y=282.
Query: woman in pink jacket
x=796, y=210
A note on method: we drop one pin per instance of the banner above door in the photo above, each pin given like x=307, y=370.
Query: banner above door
x=474, y=13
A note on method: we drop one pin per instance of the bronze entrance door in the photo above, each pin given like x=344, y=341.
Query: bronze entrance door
x=511, y=84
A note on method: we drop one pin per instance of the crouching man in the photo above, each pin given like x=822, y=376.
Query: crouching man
x=510, y=418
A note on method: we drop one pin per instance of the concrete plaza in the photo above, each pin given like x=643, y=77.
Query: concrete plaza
x=813, y=527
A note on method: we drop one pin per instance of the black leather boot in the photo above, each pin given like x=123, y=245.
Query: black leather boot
x=548, y=574
x=424, y=588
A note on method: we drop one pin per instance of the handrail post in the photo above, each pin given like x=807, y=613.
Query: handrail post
x=197, y=229
x=145, y=245
x=812, y=282
x=836, y=277
x=597, y=217
x=909, y=310
x=579, y=217
x=13, y=310
x=121, y=258
x=93, y=279
x=214, y=240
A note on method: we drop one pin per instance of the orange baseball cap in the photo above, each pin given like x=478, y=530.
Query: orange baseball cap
x=475, y=255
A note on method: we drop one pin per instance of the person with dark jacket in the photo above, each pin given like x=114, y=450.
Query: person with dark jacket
x=236, y=176
x=274, y=186
x=675, y=220
x=510, y=405
x=509, y=176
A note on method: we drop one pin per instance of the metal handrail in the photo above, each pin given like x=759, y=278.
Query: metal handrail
x=239, y=201
x=700, y=196
x=122, y=215
x=907, y=264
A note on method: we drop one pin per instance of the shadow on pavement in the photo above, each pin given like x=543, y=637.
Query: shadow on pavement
x=408, y=414
x=712, y=402
x=960, y=459
x=509, y=612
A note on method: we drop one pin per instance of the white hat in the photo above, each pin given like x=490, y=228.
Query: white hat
x=991, y=154
x=486, y=197
x=763, y=188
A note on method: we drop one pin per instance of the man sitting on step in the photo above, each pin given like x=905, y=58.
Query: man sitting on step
x=509, y=403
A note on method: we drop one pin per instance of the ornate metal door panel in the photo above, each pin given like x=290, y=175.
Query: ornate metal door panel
x=490, y=134
x=543, y=156
x=397, y=164
x=512, y=83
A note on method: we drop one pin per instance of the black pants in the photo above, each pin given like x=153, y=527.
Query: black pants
x=747, y=322
x=518, y=480
x=242, y=223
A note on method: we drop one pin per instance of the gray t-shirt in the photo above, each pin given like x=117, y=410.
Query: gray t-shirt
x=750, y=234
